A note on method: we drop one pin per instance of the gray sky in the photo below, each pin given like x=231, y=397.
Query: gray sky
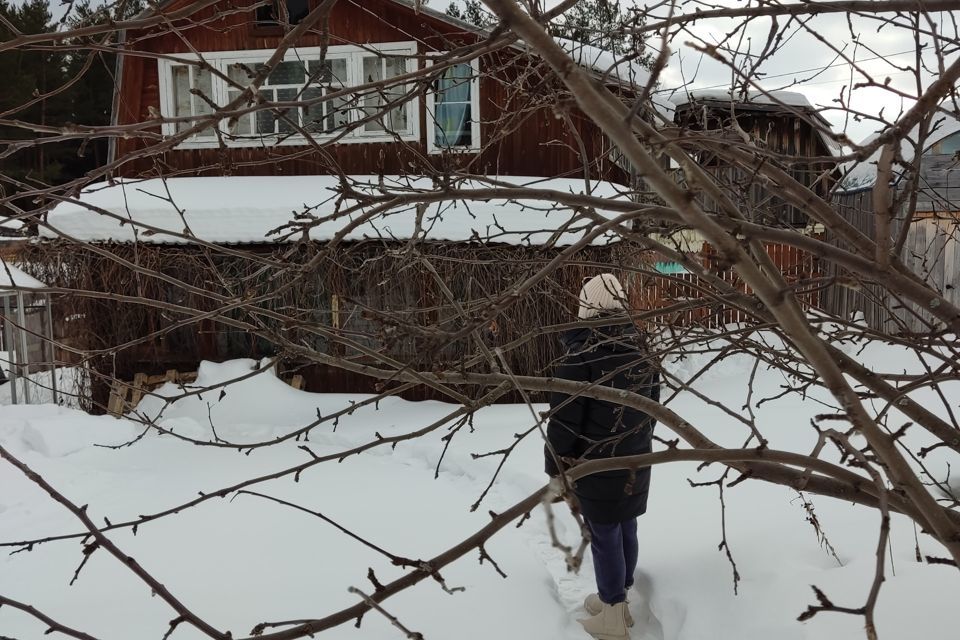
x=809, y=66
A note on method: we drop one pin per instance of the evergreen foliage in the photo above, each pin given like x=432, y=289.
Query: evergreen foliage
x=54, y=88
x=600, y=23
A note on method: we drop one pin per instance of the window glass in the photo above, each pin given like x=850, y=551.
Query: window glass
x=204, y=84
x=284, y=124
x=948, y=146
x=241, y=74
x=452, y=107
x=330, y=115
x=181, y=94
x=307, y=80
x=397, y=118
x=287, y=73
x=272, y=13
x=186, y=104
x=376, y=69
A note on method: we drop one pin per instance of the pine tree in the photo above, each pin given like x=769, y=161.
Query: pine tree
x=600, y=23
x=473, y=12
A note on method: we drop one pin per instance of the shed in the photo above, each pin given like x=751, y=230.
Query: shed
x=26, y=335
x=271, y=239
x=930, y=242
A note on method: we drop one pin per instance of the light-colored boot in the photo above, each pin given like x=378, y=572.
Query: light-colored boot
x=593, y=605
x=609, y=624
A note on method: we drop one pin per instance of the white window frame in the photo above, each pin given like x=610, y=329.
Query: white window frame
x=474, y=112
x=221, y=60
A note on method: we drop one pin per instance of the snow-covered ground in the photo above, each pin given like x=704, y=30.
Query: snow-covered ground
x=246, y=560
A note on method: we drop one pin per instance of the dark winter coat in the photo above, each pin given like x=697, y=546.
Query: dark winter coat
x=584, y=428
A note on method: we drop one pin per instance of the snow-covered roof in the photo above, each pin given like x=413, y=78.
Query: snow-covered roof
x=761, y=99
x=605, y=63
x=9, y=224
x=788, y=98
x=859, y=175
x=11, y=277
x=233, y=210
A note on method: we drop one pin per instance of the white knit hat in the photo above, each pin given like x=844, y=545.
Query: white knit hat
x=601, y=293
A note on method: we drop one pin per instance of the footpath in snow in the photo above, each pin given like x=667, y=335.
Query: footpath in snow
x=244, y=560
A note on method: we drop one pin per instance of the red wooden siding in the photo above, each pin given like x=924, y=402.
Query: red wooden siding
x=516, y=101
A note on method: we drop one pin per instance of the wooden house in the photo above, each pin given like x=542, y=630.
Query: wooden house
x=788, y=127
x=273, y=182
x=782, y=123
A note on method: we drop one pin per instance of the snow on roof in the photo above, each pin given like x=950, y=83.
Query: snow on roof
x=10, y=277
x=233, y=210
x=605, y=62
x=9, y=224
x=860, y=175
x=789, y=98
x=763, y=98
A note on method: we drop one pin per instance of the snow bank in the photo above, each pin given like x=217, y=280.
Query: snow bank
x=230, y=209
x=53, y=432
x=71, y=385
x=10, y=276
x=245, y=399
x=245, y=560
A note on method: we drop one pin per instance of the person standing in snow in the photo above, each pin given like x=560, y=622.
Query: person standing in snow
x=583, y=428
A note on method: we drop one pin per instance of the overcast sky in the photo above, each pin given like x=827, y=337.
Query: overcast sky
x=809, y=66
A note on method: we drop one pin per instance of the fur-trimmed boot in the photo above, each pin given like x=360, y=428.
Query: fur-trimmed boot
x=593, y=605
x=609, y=624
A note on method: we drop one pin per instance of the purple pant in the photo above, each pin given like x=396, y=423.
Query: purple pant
x=615, y=550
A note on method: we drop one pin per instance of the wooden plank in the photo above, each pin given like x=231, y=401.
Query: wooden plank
x=118, y=392
x=938, y=247
x=139, y=386
x=297, y=382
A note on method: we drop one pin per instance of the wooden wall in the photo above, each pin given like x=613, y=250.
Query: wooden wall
x=773, y=130
x=533, y=138
x=930, y=250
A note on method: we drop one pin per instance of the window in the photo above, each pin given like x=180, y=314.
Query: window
x=453, y=110
x=275, y=13
x=376, y=69
x=947, y=146
x=303, y=77
x=189, y=86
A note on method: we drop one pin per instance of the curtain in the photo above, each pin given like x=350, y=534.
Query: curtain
x=452, y=113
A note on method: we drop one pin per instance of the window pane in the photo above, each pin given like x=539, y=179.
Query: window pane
x=312, y=114
x=243, y=123
x=373, y=100
x=372, y=69
x=272, y=13
x=240, y=73
x=266, y=123
x=287, y=73
x=181, y=94
x=203, y=82
x=297, y=10
x=398, y=117
x=330, y=72
x=453, y=127
x=395, y=66
x=949, y=145
x=454, y=84
x=287, y=95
